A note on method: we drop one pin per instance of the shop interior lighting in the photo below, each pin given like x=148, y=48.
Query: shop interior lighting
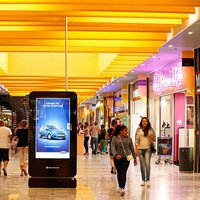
x=170, y=45
x=190, y=33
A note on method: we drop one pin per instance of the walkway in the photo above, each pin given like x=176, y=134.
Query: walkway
x=96, y=183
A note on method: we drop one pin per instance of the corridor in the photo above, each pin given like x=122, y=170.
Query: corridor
x=94, y=182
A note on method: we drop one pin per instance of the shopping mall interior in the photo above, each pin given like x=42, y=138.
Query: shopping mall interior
x=124, y=60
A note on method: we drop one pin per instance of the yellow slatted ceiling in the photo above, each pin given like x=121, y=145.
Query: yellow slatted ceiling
x=132, y=29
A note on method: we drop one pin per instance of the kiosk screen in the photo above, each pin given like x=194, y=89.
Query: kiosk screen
x=52, y=128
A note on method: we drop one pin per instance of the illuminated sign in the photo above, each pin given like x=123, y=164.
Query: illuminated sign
x=162, y=82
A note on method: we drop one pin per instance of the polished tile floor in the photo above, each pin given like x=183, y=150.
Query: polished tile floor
x=94, y=182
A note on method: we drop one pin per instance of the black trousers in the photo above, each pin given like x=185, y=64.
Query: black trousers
x=122, y=167
x=86, y=144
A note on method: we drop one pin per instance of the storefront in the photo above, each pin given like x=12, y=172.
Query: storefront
x=121, y=105
x=137, y=106
x=100, y=112
x=172, y=106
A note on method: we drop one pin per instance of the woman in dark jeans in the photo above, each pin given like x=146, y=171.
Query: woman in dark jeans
x=22, y=147
x=86, y=137
x=108, y=136
x=122, y=146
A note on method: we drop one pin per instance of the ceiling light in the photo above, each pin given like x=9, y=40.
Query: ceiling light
x=190, y=33
x=170, y=45
x=153, y=57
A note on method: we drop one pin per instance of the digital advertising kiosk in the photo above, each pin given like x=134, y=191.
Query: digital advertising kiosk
x=52, y=139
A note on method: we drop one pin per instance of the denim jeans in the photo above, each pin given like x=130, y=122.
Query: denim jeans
x=86, y=139
x=145, y=161
x=94, y=145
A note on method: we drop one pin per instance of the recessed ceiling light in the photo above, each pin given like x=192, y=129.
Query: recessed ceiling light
x=170, y=45
x=153, y=56
x=190, y=33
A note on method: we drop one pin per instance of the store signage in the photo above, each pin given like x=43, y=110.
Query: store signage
x=162, y=82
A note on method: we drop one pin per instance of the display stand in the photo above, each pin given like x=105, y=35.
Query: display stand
x=80, y=141
x=52, y=139
x=164, y=149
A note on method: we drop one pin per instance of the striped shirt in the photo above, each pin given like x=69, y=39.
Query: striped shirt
x=117, y=147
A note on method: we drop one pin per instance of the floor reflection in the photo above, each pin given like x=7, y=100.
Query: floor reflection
x=95, y=182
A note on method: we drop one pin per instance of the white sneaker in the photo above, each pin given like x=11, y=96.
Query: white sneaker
x=122, y=193
x=148, y=183
x=119, y=190
x=142, y=184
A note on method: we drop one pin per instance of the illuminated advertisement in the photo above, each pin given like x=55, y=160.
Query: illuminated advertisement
x=52, y=128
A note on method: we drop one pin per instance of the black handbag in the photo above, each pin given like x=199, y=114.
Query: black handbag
x=152, y=147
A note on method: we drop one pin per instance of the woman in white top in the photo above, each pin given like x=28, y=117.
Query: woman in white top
x=143, y=138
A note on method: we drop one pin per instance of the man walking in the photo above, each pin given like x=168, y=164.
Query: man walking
x=5, y=139
x=94, y=132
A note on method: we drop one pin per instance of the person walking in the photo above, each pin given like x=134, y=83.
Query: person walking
x=86, y=133
x=94, y=132
x=109, y=138
x=5, y=139
x=22, y=146
x=122, y=146
x=143, y=138
x=102, y=140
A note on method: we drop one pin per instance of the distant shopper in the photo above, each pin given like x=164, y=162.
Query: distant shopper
x=109, y=138
x=122, y=146
x=102, y=140
x=94, y=132
x=22, y=134
x=143, y=138
x=86, y=132
x=5, y=139
x=17, y=127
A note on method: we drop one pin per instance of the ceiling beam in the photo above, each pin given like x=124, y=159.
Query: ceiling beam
x=179, y=8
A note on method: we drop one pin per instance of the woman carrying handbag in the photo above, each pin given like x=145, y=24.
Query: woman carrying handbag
x=144, y=138
x=122, y=147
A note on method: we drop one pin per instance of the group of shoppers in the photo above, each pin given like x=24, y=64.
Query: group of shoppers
x=21, y=137
x=122, y=147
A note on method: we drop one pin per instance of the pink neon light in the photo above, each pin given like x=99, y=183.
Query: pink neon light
x=162, y=82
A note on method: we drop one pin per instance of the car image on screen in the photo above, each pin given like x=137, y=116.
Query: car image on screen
x=51, y=132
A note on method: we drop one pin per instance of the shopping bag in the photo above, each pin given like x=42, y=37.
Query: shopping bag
x=152, y=147
x=129, y=157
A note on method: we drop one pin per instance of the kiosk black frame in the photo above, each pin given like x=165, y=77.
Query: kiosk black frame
x=51, y=172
